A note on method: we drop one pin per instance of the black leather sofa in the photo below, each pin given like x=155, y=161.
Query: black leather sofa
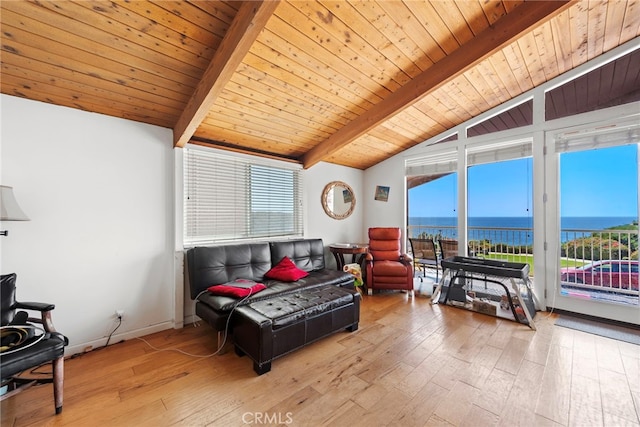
x=210, y=265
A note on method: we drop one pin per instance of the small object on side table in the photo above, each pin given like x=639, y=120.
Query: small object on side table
x=356, y=270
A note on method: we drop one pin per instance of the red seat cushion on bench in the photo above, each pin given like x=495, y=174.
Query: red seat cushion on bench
x=239, y=288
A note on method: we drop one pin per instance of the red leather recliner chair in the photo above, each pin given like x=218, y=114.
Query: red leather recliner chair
x=387, y=266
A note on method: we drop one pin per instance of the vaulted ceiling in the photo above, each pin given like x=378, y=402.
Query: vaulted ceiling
x=346, y=82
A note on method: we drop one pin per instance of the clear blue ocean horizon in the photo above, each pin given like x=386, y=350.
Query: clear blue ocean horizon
x=569, y=222
x=525, y=223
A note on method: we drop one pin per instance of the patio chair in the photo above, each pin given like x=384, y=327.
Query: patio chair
x=448, y=248
x=424, y=255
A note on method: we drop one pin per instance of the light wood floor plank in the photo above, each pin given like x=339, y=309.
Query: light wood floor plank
x=423, y=374
x=554, y=397
x=526, y=387
x=617, y=399
x=586, y=405
x=512, y=356
x=495, y=391
x=632, y=372
x=478, y=416
x=457, y=403
x=420, y=408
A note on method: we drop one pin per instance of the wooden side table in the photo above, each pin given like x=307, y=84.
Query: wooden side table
x=340, y=249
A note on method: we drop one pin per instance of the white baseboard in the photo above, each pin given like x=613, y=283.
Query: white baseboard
x=191, y=318
x=116, y=338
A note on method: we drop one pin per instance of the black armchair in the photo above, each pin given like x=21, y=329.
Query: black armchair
x=34, y=350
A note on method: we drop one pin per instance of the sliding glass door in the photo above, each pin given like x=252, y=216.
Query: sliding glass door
x=596, y=243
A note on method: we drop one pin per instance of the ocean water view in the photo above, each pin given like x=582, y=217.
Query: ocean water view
x=523, y=225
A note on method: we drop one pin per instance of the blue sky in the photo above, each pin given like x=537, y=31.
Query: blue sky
x=592, y=183
x=603, y=182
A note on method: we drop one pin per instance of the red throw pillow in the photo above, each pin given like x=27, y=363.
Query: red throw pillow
x=239, y=288
x=286, y=271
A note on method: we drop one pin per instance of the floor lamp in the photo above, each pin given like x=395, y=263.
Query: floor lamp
x=9, y=208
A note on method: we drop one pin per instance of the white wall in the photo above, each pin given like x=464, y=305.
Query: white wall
x=317, y=222
x=99, y=192
x=391, y=213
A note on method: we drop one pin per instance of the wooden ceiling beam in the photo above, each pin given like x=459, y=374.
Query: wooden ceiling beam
x=243, y=31
x=523, y=18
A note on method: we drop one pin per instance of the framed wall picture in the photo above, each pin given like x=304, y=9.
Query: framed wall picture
x=382, y=193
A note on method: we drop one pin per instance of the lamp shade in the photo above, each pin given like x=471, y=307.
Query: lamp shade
x=9, y=208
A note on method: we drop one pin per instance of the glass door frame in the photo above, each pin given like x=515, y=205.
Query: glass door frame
x=553, y=297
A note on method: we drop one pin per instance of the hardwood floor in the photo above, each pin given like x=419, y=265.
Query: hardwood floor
x=410, y=364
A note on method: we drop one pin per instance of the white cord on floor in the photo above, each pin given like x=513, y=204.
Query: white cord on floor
x=220, y=347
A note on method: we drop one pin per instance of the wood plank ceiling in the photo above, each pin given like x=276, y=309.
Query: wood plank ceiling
x=347, y=82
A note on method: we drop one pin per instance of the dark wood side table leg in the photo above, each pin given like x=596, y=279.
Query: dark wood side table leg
x=339, y=260
x=363, y=266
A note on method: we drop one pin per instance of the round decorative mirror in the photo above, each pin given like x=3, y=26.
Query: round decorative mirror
x=338, y=200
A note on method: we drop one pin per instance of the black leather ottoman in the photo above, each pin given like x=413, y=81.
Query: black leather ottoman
x=265, y=330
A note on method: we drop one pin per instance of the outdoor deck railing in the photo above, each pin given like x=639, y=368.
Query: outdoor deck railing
x=591, y=260
x=512, y=244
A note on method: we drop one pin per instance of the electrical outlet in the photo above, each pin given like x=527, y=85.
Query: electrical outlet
x=120, y=313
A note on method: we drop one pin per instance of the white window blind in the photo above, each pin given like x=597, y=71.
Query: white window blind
x=498, y=152
x=598, y=138
x=432, y=164
x=229, y=197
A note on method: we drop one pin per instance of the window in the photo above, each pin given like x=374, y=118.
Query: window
x=432, y=184
x=233, y=197
x=500, y=199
